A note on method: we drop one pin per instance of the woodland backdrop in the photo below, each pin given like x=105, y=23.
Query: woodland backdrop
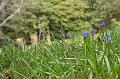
x=34, y=20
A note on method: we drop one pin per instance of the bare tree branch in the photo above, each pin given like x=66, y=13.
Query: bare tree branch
x=13, y=14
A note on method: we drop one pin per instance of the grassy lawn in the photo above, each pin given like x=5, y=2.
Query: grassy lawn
x=65, y=59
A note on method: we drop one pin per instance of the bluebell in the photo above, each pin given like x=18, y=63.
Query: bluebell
x=109, y=40
x=110, y=33
x=93, y=31
x=104, y=38
x=103, y=24
x=85, y=34
x=69, y=36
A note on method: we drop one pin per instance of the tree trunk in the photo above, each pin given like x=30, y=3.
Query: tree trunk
x=1, y=34
x=34, y=38
x=48, y=37
x=21, y=41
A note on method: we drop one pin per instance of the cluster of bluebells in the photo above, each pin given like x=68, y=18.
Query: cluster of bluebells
x=109, y=38
x=86, y=34
x=93, y=32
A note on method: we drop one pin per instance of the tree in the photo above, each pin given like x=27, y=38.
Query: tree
x=8, y=11
x=62, y=15
x=103, y=10
x=56, y=16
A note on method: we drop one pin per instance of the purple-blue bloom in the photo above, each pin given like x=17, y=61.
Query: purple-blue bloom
x=110, y=33
x=104, y=38
x=68, y=35
x=85, y=34
x=109, y=40
x=103, y=24
x=93, y=31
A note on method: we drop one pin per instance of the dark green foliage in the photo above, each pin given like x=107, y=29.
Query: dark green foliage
x=63, y=16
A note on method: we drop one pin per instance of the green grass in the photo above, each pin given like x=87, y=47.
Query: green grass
x=63, y=60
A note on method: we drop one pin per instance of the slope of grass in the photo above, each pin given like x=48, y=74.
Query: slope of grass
x=68, y=59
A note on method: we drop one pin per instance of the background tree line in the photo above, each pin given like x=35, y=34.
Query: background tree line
x=34, y=20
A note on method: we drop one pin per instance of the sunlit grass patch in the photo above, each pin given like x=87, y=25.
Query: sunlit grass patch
x=64, y=59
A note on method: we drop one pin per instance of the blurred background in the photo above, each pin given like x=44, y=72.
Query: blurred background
x=30, y=21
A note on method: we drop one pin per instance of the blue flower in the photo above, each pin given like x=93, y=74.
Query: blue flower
x=93, y=31
x=109, y=40
x=85, y=34
x=103, y=24
x=110, y=33
x=104, y=38
x=69, y=36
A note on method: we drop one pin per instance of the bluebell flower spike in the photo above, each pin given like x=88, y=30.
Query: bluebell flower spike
x=85, y=34
x=93, y=31
x=104, y=38
x=103, y=24
x=109, y=40
x=110, y=33
x=69, y=36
